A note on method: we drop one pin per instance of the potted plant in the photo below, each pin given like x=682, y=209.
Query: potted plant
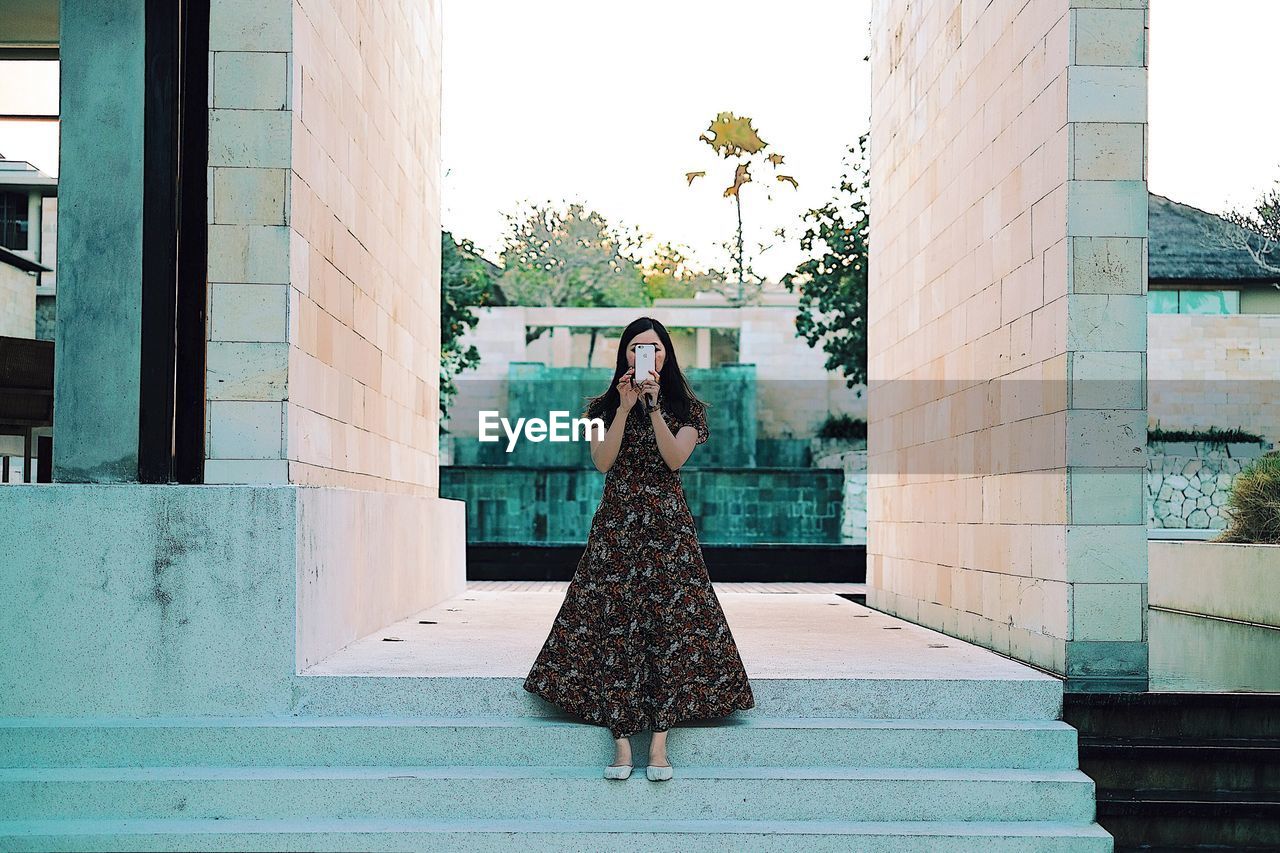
x=1253, y=505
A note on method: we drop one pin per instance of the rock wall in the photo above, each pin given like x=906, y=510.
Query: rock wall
x=1188, y=482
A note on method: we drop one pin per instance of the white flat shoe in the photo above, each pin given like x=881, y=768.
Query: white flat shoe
x=658, y=772
x=617, y=771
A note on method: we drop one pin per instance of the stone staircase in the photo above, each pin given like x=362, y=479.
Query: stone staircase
x=404, y=763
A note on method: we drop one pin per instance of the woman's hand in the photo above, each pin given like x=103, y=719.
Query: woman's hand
x=628, y=391
x=649, y=387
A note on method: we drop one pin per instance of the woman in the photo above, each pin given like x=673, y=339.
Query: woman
x=641, y=641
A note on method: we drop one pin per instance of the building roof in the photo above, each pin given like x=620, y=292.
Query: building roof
x=22, y=262
x=1182, y=247
x=21, y=176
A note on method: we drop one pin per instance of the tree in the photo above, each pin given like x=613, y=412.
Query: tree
x=1255, y=230
x=733, y=138
x=569, y=257
x=466, y=281
x=669, y=274
x=833, y=282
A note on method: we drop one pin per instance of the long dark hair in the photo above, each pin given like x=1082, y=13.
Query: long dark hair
x=677, y=397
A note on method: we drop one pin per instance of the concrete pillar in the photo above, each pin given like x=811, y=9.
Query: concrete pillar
x=100, y=211
x=561, y=347
x=704, y=348
x=1007, y=328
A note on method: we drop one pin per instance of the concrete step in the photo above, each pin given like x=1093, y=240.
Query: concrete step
x=755, y=741
x=1035, y=697
x=605, y=836
x=572, y=792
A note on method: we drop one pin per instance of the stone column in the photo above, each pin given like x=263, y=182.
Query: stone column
x=1007, y=328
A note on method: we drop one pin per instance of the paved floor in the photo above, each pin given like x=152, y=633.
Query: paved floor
x=491, y=632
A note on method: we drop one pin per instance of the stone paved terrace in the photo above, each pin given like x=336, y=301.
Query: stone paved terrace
x=495, y=629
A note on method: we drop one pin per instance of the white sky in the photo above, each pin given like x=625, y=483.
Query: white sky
x=1214, y=126
x=604, y=102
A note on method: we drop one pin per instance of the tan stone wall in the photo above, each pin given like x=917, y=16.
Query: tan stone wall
x=1215, y=370
x=17, y=302
x=1008, y=220
x=324, y=244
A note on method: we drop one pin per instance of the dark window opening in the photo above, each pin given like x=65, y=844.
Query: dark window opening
x=14, y=222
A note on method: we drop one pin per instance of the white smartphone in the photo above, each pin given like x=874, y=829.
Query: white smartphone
x=646, y=360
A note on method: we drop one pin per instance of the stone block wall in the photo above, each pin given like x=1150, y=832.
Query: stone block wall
x=247, y=375
x=1008, y=281
x=1212, y=370
x=324, y=244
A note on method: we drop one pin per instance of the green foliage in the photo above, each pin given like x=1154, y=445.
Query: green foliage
x=465, y=282
x=843, y=426
x=569, y=257
x=1212, y=435
x=1253, y=505
x=670, y=275
x=832, y=283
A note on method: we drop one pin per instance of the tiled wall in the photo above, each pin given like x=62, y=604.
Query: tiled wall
x=324, y=243
x=729, y=505
x=1008, y=220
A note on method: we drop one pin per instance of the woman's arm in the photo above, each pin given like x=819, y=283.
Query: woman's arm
x=605, y=451
x=675, y=449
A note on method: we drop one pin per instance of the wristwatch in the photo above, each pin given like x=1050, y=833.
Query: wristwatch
x=649, y=408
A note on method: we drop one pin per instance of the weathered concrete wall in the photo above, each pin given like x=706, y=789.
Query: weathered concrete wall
x=97, y=348
x=146, y=600
x=1007, y=328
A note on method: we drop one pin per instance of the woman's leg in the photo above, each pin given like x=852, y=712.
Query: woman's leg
x=658, y=749
x=621, y=751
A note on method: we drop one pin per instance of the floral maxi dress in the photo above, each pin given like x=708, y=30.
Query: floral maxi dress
x=641, y=641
